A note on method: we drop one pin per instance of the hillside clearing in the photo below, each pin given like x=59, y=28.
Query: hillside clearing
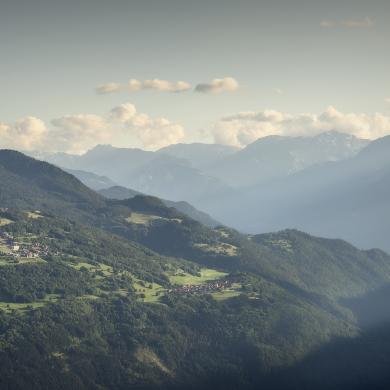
x=206, y=274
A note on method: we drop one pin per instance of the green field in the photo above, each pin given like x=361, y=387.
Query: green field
x=5, y=221
x=231, y=292
x=206, y=274
x=8, y=261
x=152, y=291
x=10, y=306
x=3, y=249
x=105, y=269
x=224, y=248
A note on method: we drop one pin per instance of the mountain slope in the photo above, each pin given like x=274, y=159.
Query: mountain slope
x=134, y=294
x=158, y=174
x=199, y=155
x=169, y=178
x=105, y=160
x=118, y=192
x=99, y=311
x=91, y=180
x=347, y=199
x=32, y=184
x=122, y=193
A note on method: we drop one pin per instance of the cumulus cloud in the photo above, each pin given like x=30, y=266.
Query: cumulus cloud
x=349, y=23
x=154, y=133
x=226, y=84
x=80, y=132
x=246, y=127
x=77, y=133
x=135, y=85
x=123, y=112
x=26, y=134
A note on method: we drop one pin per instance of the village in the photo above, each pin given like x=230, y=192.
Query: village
x=204, y=288
x=15, y=249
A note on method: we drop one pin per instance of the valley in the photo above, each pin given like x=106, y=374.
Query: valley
x=147, y=294
x=318, y=184
x=194, y=195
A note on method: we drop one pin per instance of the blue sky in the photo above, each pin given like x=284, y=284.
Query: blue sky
x=289, y=56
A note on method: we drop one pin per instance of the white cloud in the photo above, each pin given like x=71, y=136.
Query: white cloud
x=349, y=23
x=25, y=134
x=108, y=88
x=80, y=132
x=123, y=112
x=154, y=133
x=135, y=85
x=226, y=84
x=166, y=86
x=246, y=127
x=76, y=133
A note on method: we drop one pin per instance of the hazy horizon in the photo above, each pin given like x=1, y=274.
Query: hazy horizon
x=238, y=148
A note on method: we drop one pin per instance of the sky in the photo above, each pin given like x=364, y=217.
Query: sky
x=149, y=73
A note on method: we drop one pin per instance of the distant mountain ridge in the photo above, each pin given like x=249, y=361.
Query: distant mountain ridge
x=274, y=157
x=331, y=184
x=205, y=173
x=122, y=193
x=347, y=199
x=157, y=174
x=91, y=180
x=199, y=155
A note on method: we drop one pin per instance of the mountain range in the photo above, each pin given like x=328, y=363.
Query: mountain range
x=332, y=184
x=130, y=293
x=276, y=157
x=347, y=199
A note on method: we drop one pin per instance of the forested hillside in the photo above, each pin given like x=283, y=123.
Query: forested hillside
x=117, y=294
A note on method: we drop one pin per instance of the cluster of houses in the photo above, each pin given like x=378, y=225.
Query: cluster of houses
x=17, y=250
x=205, y=288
